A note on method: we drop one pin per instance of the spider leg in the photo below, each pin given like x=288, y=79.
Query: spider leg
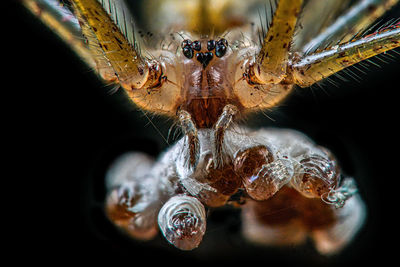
x=60, y=19
x=356, y=19
x=102, y=34
x=317, y=66
x=114, y=35
x=271, y=62
x=315, y=16
x=261, y=73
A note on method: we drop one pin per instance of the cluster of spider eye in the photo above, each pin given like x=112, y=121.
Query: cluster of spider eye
x=219, y=47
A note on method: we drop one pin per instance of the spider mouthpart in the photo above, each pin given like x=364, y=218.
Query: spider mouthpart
x=220, y=48
x=204, y=58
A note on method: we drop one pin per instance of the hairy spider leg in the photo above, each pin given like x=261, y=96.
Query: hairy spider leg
x=315, y=17
x=355, y=20
x=271, y=62
x=318, y=66
x=132, y=70
x=61, y=21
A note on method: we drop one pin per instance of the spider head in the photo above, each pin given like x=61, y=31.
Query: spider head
x=203, y=76
x=206, y=81
x=216, y=74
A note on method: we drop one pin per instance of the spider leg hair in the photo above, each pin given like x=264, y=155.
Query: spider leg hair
x=360, y=16
x=270, y=65
x=114, y=41
x=317, y=66
x=60, y=20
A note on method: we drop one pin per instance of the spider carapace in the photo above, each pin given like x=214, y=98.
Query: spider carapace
x=207, y=65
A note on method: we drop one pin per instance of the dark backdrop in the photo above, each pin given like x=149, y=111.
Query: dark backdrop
x=63, y=128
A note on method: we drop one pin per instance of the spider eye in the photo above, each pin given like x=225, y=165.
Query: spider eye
x=204, y=58
x=208, y=56
x=188, y=51
x=196, y=45
x=210, y=45
x=187, y=48
x=223, y=41
x=220, y=48
x=186, y=42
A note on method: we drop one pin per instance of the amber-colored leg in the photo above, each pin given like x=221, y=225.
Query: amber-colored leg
x=270, y=65
x=116, y=41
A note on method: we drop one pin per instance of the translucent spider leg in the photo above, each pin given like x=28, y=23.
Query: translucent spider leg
x=315, y=17
x=270, y=66
x=315, y=67
x=60, y=19
x=356, y=19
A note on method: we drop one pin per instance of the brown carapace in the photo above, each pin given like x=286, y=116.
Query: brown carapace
x=212, y=64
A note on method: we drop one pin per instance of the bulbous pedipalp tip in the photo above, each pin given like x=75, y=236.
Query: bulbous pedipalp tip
x=182, y=221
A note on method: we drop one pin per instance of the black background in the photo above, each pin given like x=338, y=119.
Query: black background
x=62, y=127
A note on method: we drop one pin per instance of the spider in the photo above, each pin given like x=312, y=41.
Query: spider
x=213, y=70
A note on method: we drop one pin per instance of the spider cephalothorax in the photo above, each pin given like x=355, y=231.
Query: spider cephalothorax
x=215, y=67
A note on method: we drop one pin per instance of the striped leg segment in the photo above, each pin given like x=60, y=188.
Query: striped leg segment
x=315, y=17
x=270, y=65
x=318, y=66
x=113, y=31
x=60, y=19
x=356, y=19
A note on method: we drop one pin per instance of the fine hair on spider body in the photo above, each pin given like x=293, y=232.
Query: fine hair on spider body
x=207, y=66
